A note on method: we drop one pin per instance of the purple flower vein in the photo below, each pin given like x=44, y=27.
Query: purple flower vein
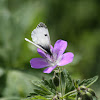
x=57, y=58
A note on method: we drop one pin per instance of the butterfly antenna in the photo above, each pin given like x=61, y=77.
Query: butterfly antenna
x=29, y=40
x=35, y=44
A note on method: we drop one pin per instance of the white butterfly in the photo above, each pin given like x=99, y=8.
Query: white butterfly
x=40, y=37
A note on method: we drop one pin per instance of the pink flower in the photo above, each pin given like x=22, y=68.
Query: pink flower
x=56, y=59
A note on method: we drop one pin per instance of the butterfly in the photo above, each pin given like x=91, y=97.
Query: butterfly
x=40, y=38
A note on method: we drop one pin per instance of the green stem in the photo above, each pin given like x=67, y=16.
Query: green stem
x=60, y=82
x=69, y=93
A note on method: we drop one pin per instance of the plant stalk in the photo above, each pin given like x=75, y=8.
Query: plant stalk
x=69, y=93
x=60, y=82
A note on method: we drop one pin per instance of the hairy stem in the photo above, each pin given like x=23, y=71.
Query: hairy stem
x=69, y=93
x=60, y=82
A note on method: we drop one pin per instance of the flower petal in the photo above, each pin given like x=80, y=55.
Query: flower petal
x=38, y=63
x=66, y=58
x=49, y=69
x=60, y=47
x=51, y=47
x=41, y=53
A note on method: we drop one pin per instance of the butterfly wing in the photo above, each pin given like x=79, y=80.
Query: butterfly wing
x=41, y=37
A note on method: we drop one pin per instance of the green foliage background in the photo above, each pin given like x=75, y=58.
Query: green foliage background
x=76, y=21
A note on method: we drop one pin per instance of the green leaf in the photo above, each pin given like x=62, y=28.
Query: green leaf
x=49, y=83
x=69, y=86
x=38, y=97
x=71, y=97
x=89, y=82
x=41, y=92
x=41, y=88
x=52, y=86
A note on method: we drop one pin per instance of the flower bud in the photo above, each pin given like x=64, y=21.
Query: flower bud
x=91, y=92
x=82, y=87
x=84, y=93
x=56, y=80
x=87, y=96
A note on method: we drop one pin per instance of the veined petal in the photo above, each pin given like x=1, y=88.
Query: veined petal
x=38, y=63
x=59, y=47
x=66, y=59
x=49, y=69
x=41, y=53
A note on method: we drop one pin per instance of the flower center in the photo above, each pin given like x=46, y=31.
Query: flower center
x=54, y=59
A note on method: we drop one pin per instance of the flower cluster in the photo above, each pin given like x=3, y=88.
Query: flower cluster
x=56, y=59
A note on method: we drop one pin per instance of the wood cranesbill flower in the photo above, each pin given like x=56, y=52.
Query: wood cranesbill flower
x=56, y=59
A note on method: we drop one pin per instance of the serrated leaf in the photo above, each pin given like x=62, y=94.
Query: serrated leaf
x=42, y=87
x=38, y=97
x=52, y=86
x=89, y=82
x=69, y=86
x=40, y=92
x=46, y=82
x=49, y=83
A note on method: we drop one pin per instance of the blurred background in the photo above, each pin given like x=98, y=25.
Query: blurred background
x=76, y=21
